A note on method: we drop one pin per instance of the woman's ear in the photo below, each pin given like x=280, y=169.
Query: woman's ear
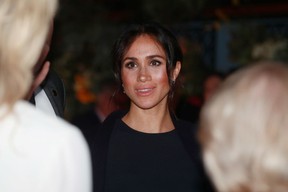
x=176, y=71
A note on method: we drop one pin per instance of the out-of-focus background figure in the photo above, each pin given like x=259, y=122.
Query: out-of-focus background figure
x=189, y=108
x=211, y=84
x=244, y=128
x=105, y=103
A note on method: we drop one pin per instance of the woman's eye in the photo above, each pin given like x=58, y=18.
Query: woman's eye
x=155, y=63
x=130, y=65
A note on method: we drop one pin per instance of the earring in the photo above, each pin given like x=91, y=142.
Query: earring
x=123, y=88
x=173, y=82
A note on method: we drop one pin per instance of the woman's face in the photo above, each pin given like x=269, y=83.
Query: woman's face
x=144, y=75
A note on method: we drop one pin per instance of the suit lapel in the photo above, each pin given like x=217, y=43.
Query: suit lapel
x=54, y=89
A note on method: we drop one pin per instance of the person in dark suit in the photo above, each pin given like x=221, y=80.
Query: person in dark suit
x=47, y=91
x=53, y=89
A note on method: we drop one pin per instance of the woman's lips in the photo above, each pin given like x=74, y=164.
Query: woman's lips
x=144, y=91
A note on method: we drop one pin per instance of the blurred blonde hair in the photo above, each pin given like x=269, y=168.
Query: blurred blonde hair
x=244, y=130
x=23, y=29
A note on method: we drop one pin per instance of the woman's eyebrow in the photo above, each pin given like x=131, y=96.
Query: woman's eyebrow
x=129, y=58
x=153, y=56
x=149, y=57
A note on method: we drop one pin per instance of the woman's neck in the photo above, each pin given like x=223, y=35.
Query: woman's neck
x=149, y=120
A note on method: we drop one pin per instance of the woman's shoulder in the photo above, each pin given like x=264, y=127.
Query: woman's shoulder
x=118, y=114
x=188, y=132
x=113, y=117
x=184, y=124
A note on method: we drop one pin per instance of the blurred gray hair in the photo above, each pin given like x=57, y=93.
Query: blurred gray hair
x=244, y=130
x=23, y=29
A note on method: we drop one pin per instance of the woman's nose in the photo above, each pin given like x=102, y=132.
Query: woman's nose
x=143, y=75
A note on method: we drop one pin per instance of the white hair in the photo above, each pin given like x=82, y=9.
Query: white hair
x=244, y=130
x=23, y=29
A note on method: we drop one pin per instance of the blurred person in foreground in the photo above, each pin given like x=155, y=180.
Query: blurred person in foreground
x=244, y=129
x=37, y=152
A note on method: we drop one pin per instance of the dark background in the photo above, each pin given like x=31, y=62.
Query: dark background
x=216, y=36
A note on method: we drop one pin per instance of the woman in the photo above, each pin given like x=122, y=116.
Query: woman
x=147, y=148
x=37, y=152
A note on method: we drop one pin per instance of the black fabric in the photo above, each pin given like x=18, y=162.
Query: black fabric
x=148, y=162
x=88, y=123
x=100, y=147
x=188, y=135
x=32, y=99
x=99, y=150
